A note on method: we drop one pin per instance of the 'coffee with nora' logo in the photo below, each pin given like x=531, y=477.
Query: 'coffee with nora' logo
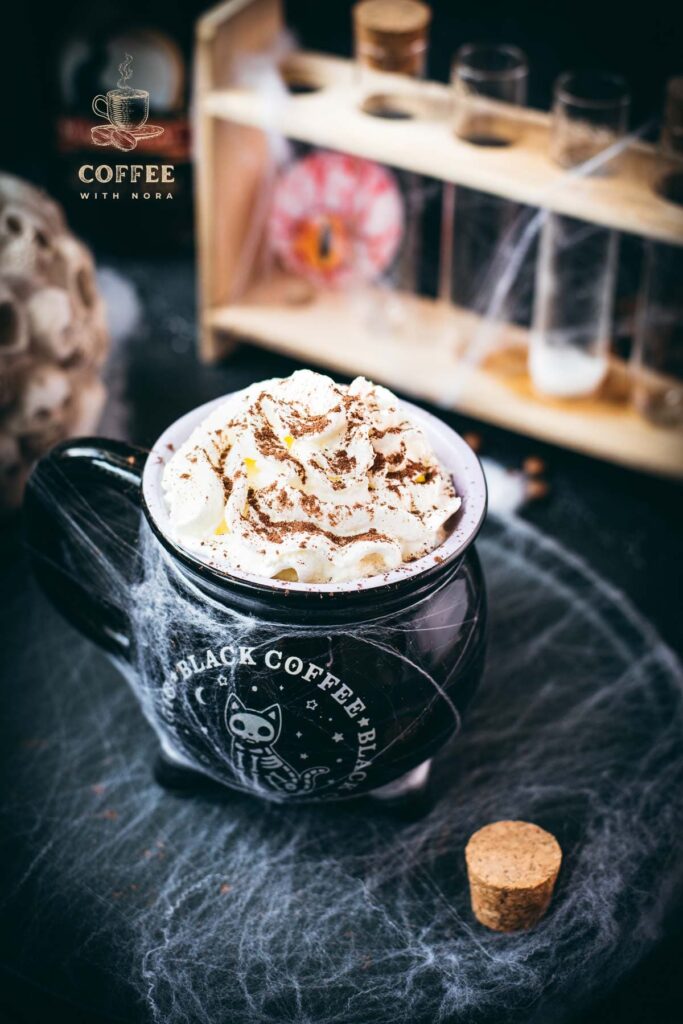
x=287, y=724
x=126, y=112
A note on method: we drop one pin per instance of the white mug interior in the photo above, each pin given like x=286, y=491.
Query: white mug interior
x=451, y=450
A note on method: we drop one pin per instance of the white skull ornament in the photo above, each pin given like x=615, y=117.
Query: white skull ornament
x=53, y=335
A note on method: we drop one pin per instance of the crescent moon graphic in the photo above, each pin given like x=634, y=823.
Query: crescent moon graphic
x=198, y=694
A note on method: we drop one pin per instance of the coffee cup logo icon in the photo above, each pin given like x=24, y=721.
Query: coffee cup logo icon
x=126, y=110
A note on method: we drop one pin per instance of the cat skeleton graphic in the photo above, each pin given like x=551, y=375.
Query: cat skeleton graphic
x=254, y=734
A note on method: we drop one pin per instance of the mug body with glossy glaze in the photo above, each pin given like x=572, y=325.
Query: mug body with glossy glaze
x=295, y=691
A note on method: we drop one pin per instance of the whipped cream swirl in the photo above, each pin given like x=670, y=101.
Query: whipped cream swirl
x=304, y=479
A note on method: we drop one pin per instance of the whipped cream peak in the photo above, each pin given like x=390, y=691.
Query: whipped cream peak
x=306, y=480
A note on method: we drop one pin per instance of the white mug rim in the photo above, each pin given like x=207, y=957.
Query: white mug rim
x=464, y=466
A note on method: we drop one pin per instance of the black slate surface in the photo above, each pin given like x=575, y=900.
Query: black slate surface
x=626, y=526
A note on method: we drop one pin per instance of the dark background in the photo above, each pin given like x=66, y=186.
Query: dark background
x=625, y=524
x=642, y=42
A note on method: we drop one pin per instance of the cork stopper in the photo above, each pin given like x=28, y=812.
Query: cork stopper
x=512, y=868
x=391, y=35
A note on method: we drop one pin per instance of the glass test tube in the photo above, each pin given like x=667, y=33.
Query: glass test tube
x=577, y=262
x=657, y=362
x=488, y=81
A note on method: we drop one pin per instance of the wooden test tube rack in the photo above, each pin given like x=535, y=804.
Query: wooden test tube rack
x=241, y=296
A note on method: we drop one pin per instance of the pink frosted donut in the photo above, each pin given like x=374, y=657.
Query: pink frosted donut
x=336, y=219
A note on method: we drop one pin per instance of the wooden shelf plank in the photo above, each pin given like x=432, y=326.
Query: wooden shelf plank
x=332, y=117
x=348, y=335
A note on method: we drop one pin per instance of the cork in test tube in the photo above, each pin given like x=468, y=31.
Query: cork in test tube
x=392, y=37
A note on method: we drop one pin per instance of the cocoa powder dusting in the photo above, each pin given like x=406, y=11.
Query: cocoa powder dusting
x=412, y=470
x=273, y=423
x=310, y=425
x=283, y=500
x=277, y=532
x=379, y=463
x=311, y=504
x=342, y=462
x=270, y=446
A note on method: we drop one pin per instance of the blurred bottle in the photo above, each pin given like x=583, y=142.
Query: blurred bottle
x=158, y=35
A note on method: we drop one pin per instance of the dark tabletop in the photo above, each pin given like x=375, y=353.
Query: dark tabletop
x=624, y=524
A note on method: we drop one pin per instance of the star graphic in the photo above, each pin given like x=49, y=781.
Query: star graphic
x=339, y=760
x=299, y=735
x=254, y=689
x=311, y=705
x=364, y=721
x=282, y=687
x=304, y=757
x=337, y=737
x=222, y=681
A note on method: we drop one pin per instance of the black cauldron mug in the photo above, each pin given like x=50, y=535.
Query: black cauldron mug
x=291, y=691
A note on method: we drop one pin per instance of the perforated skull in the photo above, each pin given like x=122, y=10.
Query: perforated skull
x=14, y=331
x=42, y=403
x=75, y=271
x=29, y=223
x=50, y=316
x=53, y=336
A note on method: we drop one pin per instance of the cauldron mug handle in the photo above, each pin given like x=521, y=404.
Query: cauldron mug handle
x=84, y=557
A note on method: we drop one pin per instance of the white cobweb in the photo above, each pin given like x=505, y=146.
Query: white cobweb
x=213, y=910
x=223, y=910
